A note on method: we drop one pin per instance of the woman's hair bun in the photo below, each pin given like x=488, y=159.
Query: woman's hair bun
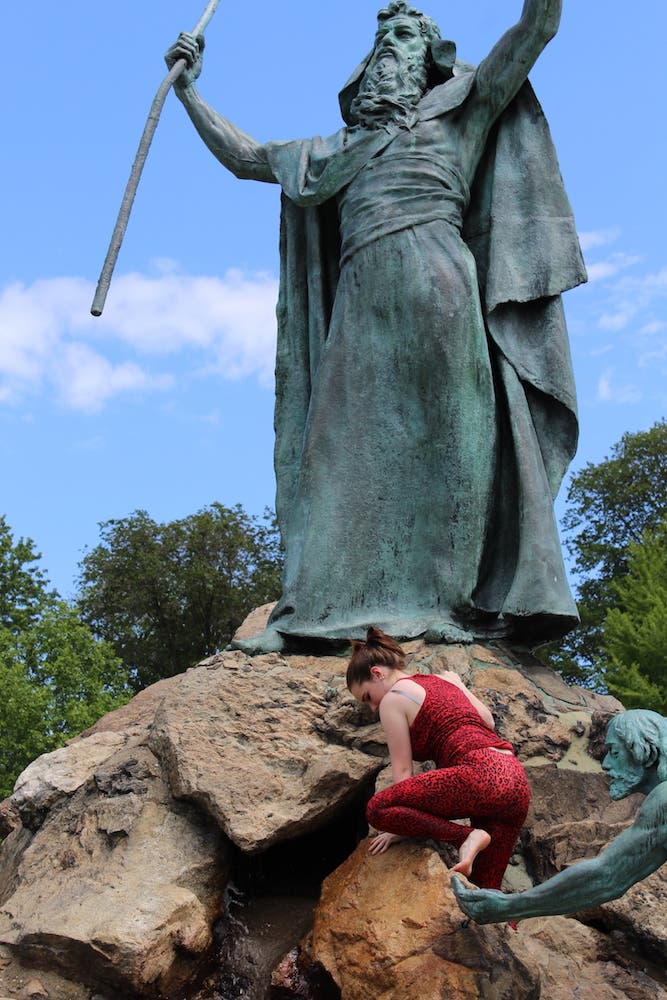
x=379, y=649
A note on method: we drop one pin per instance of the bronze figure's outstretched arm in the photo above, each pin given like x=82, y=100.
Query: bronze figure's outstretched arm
x=236, y=150
x=502, y=73
x=632, y=856
x=509, y=62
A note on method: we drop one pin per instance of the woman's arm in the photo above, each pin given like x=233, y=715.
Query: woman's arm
x=397, y=730
x=240, y=153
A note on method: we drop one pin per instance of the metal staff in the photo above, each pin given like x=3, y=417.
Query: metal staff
x=138, y=166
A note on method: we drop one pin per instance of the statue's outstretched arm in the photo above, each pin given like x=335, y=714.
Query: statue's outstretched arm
x=240, y=153
x=505, y=69
x=630, y=857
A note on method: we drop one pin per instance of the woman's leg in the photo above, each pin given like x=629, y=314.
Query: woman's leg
x=489, y=786
x=422, y=806
x=505, y=825
x=489, y=867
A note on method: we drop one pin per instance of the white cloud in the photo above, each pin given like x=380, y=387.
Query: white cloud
x=48, y=339
x=649, y=358
x=31, y=323
x=620, y=318
x=86, y=380
x=598, y=238
x=600, y=271
x=655, y=326
x=620, y=332
x=609, y=392
x=597, y=352
x=610, y=267
x=637, y=297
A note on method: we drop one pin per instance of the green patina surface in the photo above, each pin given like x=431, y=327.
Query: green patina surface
x=425, y=407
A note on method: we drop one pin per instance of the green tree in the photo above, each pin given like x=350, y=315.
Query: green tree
x=23, y=584
x=23, y=708
x=635, y=633
x=167, y=595
x=609, y=505
x=56, y=679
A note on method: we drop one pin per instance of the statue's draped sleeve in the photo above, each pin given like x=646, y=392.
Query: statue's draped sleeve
x=521, y=231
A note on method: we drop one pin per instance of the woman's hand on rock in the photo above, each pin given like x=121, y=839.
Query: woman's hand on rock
x=381, y=841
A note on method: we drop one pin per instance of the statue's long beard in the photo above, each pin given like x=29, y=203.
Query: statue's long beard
x=625, y=783
x=389, y=92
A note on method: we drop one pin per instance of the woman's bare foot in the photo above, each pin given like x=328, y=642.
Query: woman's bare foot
x=475, y=842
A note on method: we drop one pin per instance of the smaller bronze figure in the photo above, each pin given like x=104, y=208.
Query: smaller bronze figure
x=636, y=761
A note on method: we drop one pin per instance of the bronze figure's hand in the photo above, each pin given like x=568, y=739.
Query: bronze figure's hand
x=191, y=49
x=485, y=906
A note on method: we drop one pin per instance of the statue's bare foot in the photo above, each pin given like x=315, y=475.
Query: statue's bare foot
x=268, y=641
x=449, y=633
x=474, y=844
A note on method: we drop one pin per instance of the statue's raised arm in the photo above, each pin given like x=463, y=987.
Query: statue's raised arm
x=236, y=150
x=506, y=67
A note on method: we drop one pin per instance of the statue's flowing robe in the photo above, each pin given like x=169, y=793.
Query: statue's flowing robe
x=419, y=452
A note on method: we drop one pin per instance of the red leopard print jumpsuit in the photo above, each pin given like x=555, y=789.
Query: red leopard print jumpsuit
x=471, y=781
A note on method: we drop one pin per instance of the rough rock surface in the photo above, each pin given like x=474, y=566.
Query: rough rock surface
x=572, y=960
x=115, y=875
x=120, y=845
x=388, y=927
x=240, y=742
x=638, y=920
x=59, y=774
x=117, y=887
x=571, y=817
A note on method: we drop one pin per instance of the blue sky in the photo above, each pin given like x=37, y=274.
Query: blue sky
x=165, y=403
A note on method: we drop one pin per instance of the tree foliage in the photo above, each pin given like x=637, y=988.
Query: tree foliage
x=609, y=506
x=57, y=680
x=167, y=595
x=55, y=677
x=24, y=588
x=635, y=632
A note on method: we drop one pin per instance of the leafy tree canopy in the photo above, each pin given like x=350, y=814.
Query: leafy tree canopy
x=167, y=595
x=635, y=632
x=610, y=505
x=24, y=590
x=55, y=677
x=56, y=680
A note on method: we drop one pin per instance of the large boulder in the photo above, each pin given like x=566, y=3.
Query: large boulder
x=574, y=960
x=119, y=886
x=115, y=870
x=117, y=858
x=571, y=817
x=239, y=739
x=638, y=920
x=388, y=927
x=57, y=775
